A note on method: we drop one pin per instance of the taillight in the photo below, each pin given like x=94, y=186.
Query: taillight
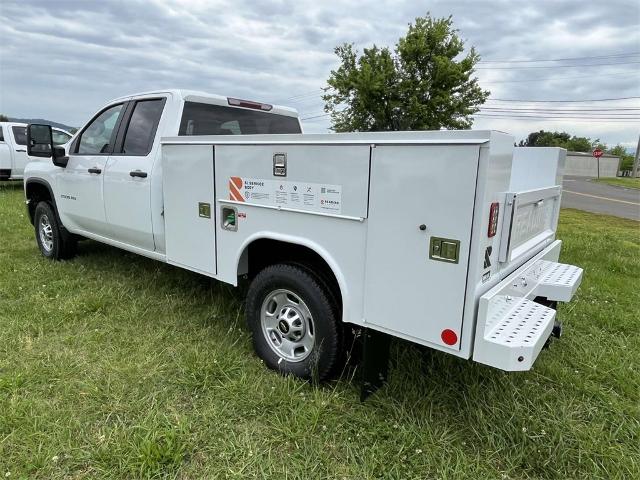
x=236, y=102
x=493, y=219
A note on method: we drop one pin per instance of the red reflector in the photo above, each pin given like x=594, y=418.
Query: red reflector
x=236, y=102
x=493, y=219
x=449, y=337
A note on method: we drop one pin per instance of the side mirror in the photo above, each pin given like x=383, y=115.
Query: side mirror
x=40, y=144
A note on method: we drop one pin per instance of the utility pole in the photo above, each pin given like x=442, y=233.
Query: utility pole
x=634, y=170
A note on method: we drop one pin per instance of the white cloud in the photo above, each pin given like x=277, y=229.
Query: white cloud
x=63, y=59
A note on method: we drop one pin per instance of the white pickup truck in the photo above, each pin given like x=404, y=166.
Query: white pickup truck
x=445, y=239
x=13, y=148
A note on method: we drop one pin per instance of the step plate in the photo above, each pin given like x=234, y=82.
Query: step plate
x=519, y=322
x=557, y=281
x=517, y=329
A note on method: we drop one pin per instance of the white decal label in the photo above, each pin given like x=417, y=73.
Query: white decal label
x=314, y=197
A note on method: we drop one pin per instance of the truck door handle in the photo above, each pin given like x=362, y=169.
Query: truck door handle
x=95, y=170
x=138, y=173
x=20, y=150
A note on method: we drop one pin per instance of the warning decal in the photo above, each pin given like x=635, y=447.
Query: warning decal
x=314, y=197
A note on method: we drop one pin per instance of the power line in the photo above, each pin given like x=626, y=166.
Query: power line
x=557, y=66
x=562, y=101
x=586, y=112
x=615, y=55
x=552, y=119
x=593, y=116
x=306, y=94
x=636, y=111
x=551, y=115
x=315, y=116
x=589, y=118
x=593, y=57
x=316, y=93
x=541, y=79
x=525, y=109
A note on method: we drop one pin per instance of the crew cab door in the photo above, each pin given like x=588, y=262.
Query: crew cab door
x=127, y=178
x=80, y=199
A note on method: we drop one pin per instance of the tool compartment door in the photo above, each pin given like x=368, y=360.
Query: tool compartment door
x=407, y=293
x=189, y=207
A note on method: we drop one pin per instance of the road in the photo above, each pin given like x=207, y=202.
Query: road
x=580, y=193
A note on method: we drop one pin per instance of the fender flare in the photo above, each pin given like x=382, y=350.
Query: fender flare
x=303, y=242
x=47, y=185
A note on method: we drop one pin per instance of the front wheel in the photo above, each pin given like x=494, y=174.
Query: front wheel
x=53, y=239
x=293, y=322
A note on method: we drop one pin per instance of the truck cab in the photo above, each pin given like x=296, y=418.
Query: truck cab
x=109, y=185
x=13, y=148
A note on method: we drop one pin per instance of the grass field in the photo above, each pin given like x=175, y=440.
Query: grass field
x=115, y=366
x=626, y=182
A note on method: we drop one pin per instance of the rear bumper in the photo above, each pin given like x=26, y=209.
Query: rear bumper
x=511, y=328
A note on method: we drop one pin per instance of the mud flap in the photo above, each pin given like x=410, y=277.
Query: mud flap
x=375, y=362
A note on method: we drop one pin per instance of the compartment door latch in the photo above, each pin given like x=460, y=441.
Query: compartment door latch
x=444, y=249
x=280, y=164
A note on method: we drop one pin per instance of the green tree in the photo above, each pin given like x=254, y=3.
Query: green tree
x=561, y=139
x=418, y=86
x=3, y=118
x=627, y=158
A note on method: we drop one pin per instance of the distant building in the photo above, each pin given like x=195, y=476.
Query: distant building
x=584, y=164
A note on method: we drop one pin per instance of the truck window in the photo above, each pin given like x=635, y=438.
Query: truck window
x=97, y=137
x=1, y=135
x=207, y=119
x=60, y=138
x=142, y=127
x=20, y=135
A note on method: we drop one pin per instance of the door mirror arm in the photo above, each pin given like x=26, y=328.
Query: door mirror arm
x=59, y=157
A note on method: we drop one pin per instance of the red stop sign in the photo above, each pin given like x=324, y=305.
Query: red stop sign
x=597, y=153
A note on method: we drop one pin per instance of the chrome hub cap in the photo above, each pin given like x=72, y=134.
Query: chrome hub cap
x=287, y=325
x=46, y=233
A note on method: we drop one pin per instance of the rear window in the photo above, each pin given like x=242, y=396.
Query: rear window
x=20, y=135
x=206, y=119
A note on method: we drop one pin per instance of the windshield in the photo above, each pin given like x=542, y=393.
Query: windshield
x=207, y=119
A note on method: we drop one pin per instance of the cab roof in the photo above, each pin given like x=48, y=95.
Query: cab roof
x=204, y=97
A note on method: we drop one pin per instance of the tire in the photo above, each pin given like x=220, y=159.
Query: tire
x=54, y=241
x=293, y=322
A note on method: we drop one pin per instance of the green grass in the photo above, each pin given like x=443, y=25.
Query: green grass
x=115, y=366
x=626, y=182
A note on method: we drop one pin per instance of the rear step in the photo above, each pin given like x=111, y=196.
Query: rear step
x=557, y=281
x=512, y=327
x=519, y=330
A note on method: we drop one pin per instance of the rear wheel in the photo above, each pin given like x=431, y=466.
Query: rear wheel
x=53, y=239
x=293, y=322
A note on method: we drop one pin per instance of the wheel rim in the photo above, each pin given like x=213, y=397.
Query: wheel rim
x=287, y=325
x=46, y=233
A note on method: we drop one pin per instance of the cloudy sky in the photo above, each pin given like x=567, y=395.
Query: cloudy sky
x=63, y=59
